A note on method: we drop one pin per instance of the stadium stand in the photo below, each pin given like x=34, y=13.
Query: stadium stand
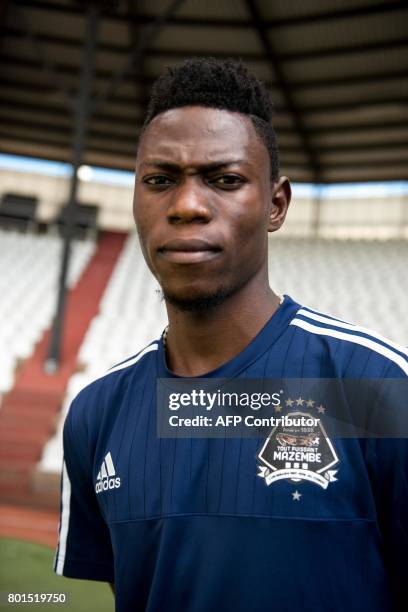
x=130, y=312
x=29, y=266
x=361, y=281
x=18, y=211
x=29, y=410
x=355, y=280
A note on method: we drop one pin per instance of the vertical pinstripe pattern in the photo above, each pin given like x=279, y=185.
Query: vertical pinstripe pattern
x=66, y=502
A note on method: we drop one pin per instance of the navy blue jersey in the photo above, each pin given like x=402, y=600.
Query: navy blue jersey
x=188, y=525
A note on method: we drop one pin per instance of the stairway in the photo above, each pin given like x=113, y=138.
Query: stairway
x=29, y=412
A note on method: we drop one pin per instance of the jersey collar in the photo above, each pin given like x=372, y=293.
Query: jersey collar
x=265, y=338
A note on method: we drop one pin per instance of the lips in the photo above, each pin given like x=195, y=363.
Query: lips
x=189, y=251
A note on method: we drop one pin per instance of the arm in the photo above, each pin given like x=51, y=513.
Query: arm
x=84, y=546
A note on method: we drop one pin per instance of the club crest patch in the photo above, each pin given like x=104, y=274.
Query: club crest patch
x=298, y=449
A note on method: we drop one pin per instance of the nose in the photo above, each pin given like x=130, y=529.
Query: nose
x=189, y=203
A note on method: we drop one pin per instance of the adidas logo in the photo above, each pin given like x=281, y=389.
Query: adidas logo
x=106, y=476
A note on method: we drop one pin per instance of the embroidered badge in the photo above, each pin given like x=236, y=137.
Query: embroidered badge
x=298, y=449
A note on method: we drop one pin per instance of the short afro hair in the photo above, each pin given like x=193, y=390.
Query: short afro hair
x=224, y=84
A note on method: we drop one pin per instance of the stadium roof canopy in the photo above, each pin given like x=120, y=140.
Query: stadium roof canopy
x=338, y=72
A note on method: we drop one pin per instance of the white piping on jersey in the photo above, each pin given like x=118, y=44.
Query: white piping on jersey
x=309, y=311
x=65, y=511
x=352, y=327
x=133, y=360
x=130, y=362
x=348, y=337
x=126, y=361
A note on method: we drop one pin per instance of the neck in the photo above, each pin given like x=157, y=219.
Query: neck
x=198, y=343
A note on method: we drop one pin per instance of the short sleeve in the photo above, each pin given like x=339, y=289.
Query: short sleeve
x=84, y=546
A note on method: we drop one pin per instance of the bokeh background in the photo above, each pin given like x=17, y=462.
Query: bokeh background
x=75, y=294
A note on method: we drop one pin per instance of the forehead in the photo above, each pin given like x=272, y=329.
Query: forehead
x=195, y=135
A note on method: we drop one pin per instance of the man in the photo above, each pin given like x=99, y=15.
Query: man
x=192, y=525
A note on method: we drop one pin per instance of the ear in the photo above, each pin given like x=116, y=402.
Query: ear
x=281, y=195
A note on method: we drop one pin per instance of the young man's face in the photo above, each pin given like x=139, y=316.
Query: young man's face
x=204, y=203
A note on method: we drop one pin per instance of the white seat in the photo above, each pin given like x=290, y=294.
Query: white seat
x=29, y=267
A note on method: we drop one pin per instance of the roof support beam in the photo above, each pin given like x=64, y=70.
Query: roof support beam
x=340, y=51
x=329, y=81
x=37, y=126
x=284, y=87
x=43, y=113
x=4, y=10
x=139, y=75
x=379, y=8
x=289, y=56
x=323, y=82
x=47, y=65
x=363, y=10
x=80, y=126
x=145, y=39
x=130, y=101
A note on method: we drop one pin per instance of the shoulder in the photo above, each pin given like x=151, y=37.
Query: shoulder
x=99, y=399
x=346, y=339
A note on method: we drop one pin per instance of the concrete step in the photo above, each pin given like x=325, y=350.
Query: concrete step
x=11, y=452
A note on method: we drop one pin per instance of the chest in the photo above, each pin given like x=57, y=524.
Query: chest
x=138, y=475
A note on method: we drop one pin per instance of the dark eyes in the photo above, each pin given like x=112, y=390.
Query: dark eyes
x=223, y=181
x=228, y=179
x=158, y=180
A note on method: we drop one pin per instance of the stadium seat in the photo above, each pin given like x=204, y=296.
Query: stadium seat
x=85, y=221
x=18, y=211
